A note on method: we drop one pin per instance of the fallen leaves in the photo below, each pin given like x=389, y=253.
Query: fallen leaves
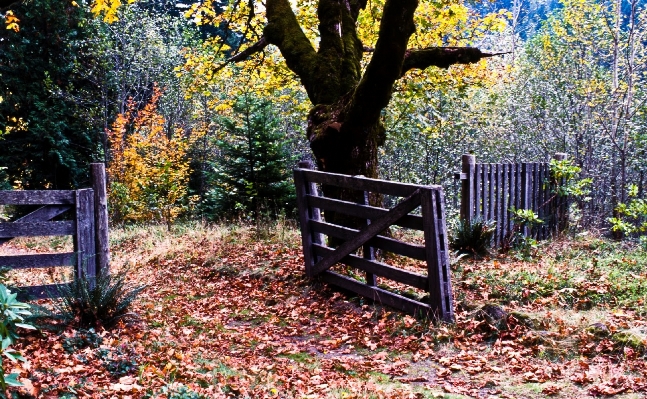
x=234, y=316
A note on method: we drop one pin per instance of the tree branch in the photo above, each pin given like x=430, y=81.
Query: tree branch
x=245, y=54
x=374, y=90
x=442, y=57
x=249, y=51
x=284, y=31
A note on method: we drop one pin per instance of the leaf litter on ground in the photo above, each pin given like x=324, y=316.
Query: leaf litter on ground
x=230, y=314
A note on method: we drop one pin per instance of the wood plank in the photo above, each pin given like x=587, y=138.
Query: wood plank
x=379, y=295
x=98, y=172
x=540, y=201
x=505, y=197
x=38, y=261
x=368, y=252
x=306, y=214
x=518, y=168
x=35, y=229
x=362, y=211
x=368, y=232
x=492, y=190
x=478, y=191
x=498, y=206
x=514, y=187
x=361, y=183
x=37, y=197
x=86, y=246
x=378, y=268
x=42, y=214
x=385, y=243
x=467, y=187
x=486, y=192
x=440, y=292
x=40, y=291
x=526, y=184
x=304, y=222
x=535, y=195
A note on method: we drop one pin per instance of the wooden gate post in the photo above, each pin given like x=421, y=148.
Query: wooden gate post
x=467, y=187
x=85, y=242
x=101, y=218
x=306, y=214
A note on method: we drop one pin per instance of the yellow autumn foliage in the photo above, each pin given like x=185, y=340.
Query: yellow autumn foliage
x=149, y=168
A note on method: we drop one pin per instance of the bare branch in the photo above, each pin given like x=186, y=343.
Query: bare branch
x=443, y=57
x=245, y=54
x=249, y=51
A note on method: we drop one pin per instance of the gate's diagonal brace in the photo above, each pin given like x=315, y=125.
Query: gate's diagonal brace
x=41, y=214
x=378, y=225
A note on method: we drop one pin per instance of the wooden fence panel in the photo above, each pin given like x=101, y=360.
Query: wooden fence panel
x=491, y=191
x=89, y=230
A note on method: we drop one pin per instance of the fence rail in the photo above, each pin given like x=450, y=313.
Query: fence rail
x=319, y=257
x=89, y=229
x=490, y=191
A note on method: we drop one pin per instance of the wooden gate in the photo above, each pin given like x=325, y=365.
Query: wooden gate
x=490, y=191
x=319, y=257
x=89, y=229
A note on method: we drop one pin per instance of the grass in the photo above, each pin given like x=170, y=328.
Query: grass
x=614, y=277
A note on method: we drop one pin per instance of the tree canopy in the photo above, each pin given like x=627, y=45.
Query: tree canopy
x=347, y=67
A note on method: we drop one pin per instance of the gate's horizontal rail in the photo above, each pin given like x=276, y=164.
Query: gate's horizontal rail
x=361, y=183
x=380, y=269
x=40, y=260
x=377, y=294
x=381, y=242
x=41, y=214
x=362, y=211
x=35, y=229
x=38, y=197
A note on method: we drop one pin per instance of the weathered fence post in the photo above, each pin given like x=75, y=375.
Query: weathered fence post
x=101, y=217
x=561, y=202
x=307, y=213
x=467, y=187
x=85, y=243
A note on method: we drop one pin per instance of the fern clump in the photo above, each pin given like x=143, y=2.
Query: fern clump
x=98, y=302
x=472, y=237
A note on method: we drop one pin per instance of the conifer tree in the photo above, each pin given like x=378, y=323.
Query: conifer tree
x=251, y=176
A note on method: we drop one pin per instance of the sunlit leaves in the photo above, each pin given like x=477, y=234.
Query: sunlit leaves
x=108, y=9
x=11, y=21
x=149, y=169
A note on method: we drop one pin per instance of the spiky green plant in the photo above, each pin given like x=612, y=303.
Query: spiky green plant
x=102, y=301
x=473, y=238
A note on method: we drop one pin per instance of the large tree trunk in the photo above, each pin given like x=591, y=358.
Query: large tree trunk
x=344, y=126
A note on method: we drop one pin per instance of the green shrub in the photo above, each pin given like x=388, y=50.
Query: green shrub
x=473, y=237
x=13, y=315
x=99, y=302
